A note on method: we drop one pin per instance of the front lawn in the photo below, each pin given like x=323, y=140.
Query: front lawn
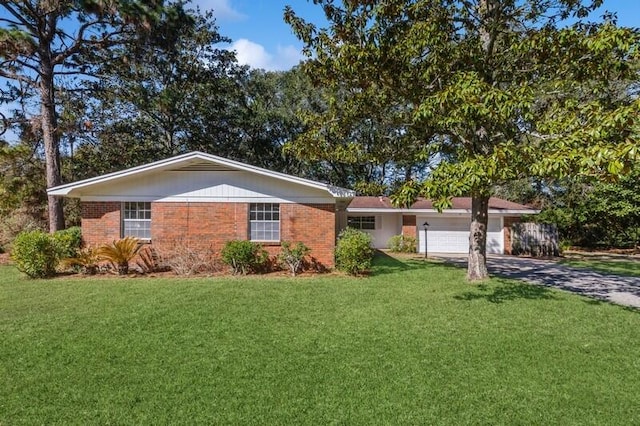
x=412, y=344
x=615, y=266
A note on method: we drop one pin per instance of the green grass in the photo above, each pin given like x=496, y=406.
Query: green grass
x=619, y=267
x=412, y=344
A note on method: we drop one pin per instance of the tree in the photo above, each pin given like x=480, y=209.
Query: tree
x=44, y=43
x=511, y=88
x=176, y=93
x=595, y=213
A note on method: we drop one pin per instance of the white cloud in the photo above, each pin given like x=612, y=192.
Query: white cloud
x=256, y=56
x=222, y=9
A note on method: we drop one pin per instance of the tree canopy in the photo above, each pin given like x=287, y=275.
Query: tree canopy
x=45, y=44
x=499, y=89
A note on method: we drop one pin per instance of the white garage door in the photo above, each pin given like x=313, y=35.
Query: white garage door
x=451, y=235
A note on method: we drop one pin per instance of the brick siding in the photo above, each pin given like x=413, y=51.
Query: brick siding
x=409, y=225
x=208, y=226
x=508, y=221
x=100, y=222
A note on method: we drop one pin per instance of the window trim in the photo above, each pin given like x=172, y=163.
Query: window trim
x=123, y=220
x=271, y=211
x=359, y=221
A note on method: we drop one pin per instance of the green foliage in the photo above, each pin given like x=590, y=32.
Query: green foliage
x=499, y=90
x=87, y=259
x=354, y=252
x=159, y=102
x=244, y=256
x=69, y=241
x=37, y=52
x=592, y=213
x=292, y=258
x=36, y=253
x=119, y=253
x=14, y=223
x=402, y=244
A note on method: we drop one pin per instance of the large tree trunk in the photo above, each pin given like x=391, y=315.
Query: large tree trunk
x=50, y=136
x=477, y=264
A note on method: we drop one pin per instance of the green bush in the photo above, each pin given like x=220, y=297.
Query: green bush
x=69, y=241
x=36, y=253
x=402, y=244
x=244, y=256
x=292, y=258
x=353, y=251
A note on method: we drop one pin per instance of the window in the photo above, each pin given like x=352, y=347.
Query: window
x=362, y=222
x=264, y=222
x=136, y=220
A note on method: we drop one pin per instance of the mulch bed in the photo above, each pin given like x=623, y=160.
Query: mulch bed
x=5, y=259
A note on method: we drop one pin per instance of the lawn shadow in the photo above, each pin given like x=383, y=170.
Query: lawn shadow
x=383, y=263
x=506, y=290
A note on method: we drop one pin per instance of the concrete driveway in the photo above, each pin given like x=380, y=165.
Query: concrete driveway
x=617, y=289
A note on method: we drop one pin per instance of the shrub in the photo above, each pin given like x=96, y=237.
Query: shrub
x=402, y=244
x=244, y=256
x=184, y=260
x=36, y=254
x=16, y=222
x=69, y=241
x=149, y=261
x=293, y=258
x=87, y=259
x=119, y=253
x=354, y=252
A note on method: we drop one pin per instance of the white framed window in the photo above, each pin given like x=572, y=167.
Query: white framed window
x=136, y=219
x=264, y=222
x=365, y=223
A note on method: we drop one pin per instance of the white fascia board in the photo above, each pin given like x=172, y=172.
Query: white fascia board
x=497, y=212
x=173, y=199
x=66, y=189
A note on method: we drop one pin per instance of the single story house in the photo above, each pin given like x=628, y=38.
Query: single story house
x=446, y=232
x=202, y=201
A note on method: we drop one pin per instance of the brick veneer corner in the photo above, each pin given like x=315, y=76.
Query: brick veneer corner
x=508, y=221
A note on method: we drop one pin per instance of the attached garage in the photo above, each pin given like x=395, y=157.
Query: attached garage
x=448, y=231
x=451, y=235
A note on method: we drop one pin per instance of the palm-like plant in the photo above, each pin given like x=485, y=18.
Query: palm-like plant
x=119, y=253
x=87, y=258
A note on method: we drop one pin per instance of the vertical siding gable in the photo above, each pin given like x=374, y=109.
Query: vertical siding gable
x=177, y=185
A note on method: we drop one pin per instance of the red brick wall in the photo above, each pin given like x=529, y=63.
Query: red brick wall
x=100, y=222
x=508, y=221
x=409, y=225
x=198, y=225
x=210, y=225
x=312, y=224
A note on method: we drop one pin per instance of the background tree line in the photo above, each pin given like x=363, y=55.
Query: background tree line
x=157, y=82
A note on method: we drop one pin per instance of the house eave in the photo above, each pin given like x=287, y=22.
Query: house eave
x=499, y=212
x=75, y=189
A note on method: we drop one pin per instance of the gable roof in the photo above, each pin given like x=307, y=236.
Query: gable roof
x=196, y=161
x=458, y=204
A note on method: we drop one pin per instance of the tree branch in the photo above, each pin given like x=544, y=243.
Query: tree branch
x=13, y=76
x=20, y=18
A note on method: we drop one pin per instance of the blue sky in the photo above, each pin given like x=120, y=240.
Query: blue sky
x=263, y=40
x=260, y=36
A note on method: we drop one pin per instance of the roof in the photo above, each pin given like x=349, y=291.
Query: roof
x=382, y=204
x=197, y=161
